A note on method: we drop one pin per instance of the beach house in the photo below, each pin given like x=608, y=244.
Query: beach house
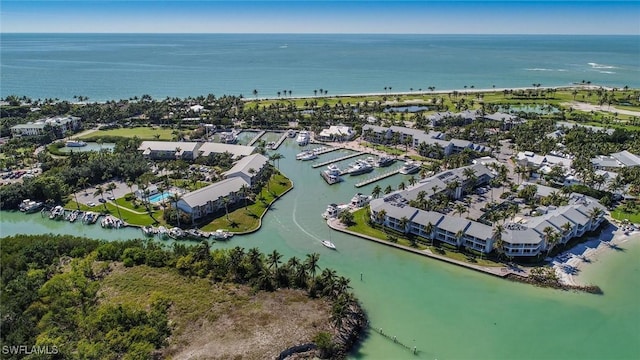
x=336, y=133
x=249, y=168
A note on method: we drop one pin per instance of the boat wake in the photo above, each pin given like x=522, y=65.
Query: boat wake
x=293, y=216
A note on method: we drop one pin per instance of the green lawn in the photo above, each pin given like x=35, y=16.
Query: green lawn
x=144, y=133
x=247, y=219
x=621, y=215
x=127, y=216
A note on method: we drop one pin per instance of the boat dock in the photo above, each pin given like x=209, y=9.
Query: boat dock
x=326, y=150
x=376, y=178
x=284, y=137
x=256, y=138
x=335, y=160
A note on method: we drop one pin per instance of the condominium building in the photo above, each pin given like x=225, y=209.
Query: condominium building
x=58, y=124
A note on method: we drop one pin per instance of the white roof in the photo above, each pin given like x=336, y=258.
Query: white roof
x=214, y=191
x=218, y=148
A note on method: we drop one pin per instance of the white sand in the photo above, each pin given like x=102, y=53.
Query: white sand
x=587, y=253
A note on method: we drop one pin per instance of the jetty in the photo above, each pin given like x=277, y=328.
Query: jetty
x=317, y=165
x=256, y=138
x=376, y=178
x=280, y=141
x=413, y=350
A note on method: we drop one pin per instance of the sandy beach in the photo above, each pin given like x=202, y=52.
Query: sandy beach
x=569, y=264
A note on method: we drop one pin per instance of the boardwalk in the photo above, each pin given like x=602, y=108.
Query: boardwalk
x=317, y=165
x=280, y=141
x=256, y=138
x=376, y=178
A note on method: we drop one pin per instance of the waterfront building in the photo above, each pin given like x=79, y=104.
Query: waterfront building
x=415, y=137
x=525, y=237
x=237, y=151
x=58, y=124
x=249, y=168
x=337, y=133
x=158, y=150
x=210, y=199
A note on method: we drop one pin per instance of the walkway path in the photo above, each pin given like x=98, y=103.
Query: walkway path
x=591, y=107
x=495, y=271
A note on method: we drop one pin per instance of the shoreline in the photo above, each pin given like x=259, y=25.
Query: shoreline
x=577, y=258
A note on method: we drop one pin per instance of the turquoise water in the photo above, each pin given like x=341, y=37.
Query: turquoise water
x=91, y=146
x=159, y=197
x=116, y=66
x=445, y=311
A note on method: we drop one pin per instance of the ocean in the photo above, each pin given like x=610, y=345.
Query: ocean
x=120, y=66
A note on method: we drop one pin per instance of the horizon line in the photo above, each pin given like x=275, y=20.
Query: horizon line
x=308, y=33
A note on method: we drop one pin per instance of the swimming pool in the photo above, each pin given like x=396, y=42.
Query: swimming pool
x=159, y=197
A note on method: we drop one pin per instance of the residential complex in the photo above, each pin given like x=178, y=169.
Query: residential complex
x=59, y=124
x=414, y=137
x=240, y=178
x=159, y=150
x=525, y=237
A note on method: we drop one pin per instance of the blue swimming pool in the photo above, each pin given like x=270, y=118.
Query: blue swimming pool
x=159, y=197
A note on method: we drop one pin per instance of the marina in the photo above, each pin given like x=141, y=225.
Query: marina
x=317, y=165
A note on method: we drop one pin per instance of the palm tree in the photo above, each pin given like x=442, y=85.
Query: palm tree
x=277, y=157
x=401, y=186
x=550, y=237
x=388, y=189
x=174, y=198
x=311, y=263
x=412, y=180
x=459, y=209
x=82, y=184
x=100, y=191
x=381, y=216
x=244, y=189
x=376, y=191
x=402, y=224
x=498, y=242
x=429, y=230
x=273, y=259
x=594, y=214
x=110, y=187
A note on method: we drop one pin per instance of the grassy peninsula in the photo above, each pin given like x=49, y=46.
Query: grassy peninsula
x=83, y=298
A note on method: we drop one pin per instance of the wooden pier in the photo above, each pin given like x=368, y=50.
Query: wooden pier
x=256, y=138
x=336, y=160
x=376, y=178
x=284, y=137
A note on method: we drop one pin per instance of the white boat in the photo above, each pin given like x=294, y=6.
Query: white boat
x=332, y=174
x=410, y=167
x=221, y=234
x=299, y=156
x=163, y=232
x=360, y=167
x=149, y=230
x=309, y=156
x=175, y=233
x=57, y=213
x=359, y=200
x=328, y=244
x=303, y=138
x=75, y=143
x=384, y=161
x=30, y=206
x=230, y=137
x=334, y=210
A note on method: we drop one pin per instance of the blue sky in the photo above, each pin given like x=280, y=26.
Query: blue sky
x=430, y=17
